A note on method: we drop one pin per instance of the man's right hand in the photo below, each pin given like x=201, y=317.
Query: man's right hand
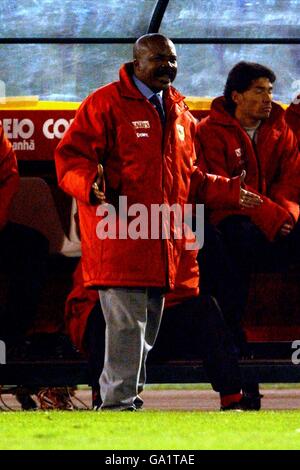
x=286, y=229
x=248, y=200
x=98, y=187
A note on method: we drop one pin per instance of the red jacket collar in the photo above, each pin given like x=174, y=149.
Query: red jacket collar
x=129, y=89
x=221, y=115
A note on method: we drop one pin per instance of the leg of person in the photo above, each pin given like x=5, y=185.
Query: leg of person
x=196, y=329
x=250, y=251
x=220, y=279
x=214, y=343
x=24, y=257
x=220, y=359
x=125, y=313
x=218, y=276
x=217, y=346
x=246, y=246
x=94, y=341
x=154, y=314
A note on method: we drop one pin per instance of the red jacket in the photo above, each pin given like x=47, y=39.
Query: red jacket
x=273, y=168
x=81, y=301
x=118, y=127
x=292, y=117
x=9, y=178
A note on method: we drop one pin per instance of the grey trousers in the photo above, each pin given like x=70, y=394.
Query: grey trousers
x=132, y=317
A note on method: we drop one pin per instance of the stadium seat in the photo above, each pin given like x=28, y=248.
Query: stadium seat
x=35, y=207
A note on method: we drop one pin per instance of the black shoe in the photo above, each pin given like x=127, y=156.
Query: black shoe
x=252, y=401
x=129, y=408
x=138, y=402
x=248, y=402
x=118, y=408
x=97, y=402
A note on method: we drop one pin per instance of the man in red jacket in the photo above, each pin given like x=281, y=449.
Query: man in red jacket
x=292, y=117
x=141, y=132
x=246, y=130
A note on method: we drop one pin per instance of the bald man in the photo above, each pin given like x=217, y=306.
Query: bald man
x=130, y=149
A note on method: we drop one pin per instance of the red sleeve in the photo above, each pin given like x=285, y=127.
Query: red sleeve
x=211, y=151
x=270, y=216
x=9, y=177
x=217, y=192
x=80, y=150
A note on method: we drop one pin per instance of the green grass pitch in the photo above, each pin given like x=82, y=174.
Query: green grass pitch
x=150, y=430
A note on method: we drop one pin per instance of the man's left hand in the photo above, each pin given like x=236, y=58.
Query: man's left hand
x=98, y=187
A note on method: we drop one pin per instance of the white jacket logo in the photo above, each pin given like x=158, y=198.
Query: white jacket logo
x=238, y=152
x=141, y=124
x=180, y=130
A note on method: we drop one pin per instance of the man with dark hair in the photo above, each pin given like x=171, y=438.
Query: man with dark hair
x=254, y=137
x=246, y=131
x=240, y=79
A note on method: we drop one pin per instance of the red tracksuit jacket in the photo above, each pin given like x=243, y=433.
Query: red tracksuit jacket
x=120, y=128
x=273, y=166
